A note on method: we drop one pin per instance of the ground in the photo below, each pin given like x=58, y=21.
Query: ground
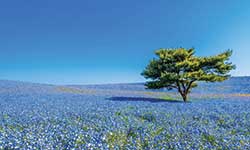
x=124, y=116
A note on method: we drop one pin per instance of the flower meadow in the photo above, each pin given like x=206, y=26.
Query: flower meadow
x=124, y=116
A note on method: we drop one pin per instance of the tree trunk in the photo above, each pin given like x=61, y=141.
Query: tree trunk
x=184, y=97
x=183, y=92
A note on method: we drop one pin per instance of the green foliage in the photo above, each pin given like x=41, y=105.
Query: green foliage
x=80, y=141
x=118, y=139
x=148, y=117
x=180, y=69
x=209, y=138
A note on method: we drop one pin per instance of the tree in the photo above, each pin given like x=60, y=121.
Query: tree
x=180, y=69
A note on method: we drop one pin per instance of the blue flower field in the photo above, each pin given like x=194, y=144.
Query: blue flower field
x=124, y=116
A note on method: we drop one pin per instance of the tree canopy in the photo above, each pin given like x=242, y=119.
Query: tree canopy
x=180, y=69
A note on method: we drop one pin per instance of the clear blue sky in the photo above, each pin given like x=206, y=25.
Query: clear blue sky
x=97, y=41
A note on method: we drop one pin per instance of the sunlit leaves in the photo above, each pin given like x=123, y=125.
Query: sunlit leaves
x=179, y=68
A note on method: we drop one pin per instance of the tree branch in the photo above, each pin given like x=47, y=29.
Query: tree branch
x=179, y=88
x=189, y=85
x=172, y=86
x=183, y=86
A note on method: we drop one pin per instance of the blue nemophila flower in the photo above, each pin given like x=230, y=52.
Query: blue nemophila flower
x=99, y=117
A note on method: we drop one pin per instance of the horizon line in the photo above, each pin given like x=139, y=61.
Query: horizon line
x=107, y=83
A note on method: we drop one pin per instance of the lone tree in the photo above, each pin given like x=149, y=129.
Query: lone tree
x=180, y=69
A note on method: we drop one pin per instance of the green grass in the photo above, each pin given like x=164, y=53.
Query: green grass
x=167, y=98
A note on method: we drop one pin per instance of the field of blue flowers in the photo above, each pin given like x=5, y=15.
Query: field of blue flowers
x=124, y=116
